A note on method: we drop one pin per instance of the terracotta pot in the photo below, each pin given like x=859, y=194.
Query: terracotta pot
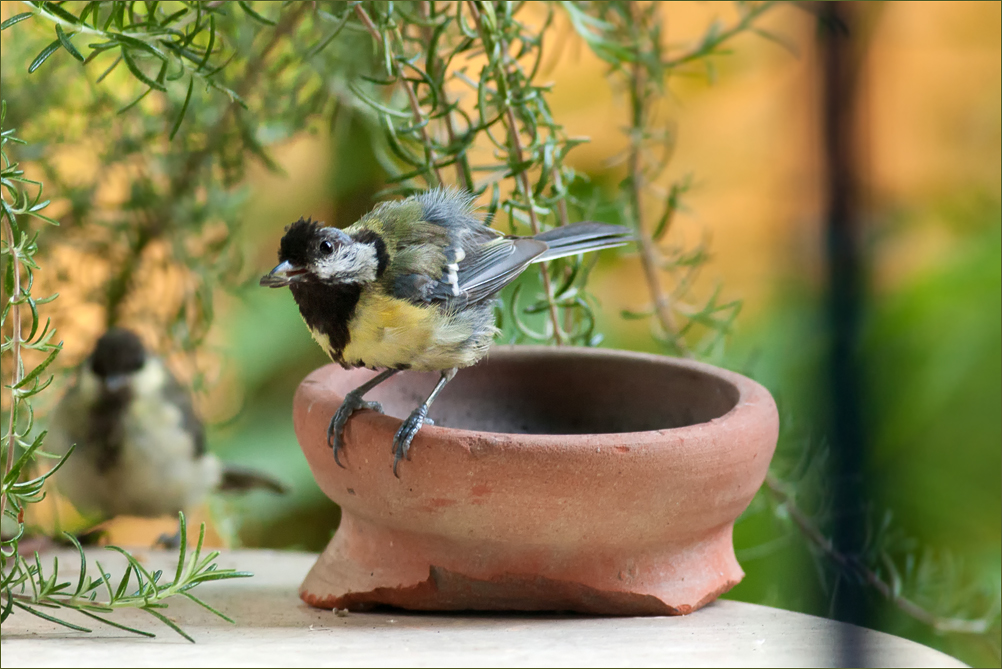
x=554, y=479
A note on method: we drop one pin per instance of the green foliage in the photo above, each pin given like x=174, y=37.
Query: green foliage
x=628, y=36
x=930, y=348
x=28, y=589
x=180, y=193
x=18, y=248
x=226, y=80
x=23, y=584
x=422, y=51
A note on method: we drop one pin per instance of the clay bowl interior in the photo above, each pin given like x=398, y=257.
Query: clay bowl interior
x=543, y=392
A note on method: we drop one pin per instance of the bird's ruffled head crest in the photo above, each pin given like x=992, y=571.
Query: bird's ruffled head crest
x=295, y=244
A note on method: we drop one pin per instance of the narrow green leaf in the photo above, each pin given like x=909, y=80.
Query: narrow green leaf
x=42, y=217
x=184, y=108
x=67, y=44
x=110, y=68
x=167, y=621
x=33, y=374
x=91, y=6
x=17, y=18
x=135, y=102
x=83, y=562
x=198, y=545
x=120, y=626
x=117, y=15
x=168, y=20
x=137, y=567
x=183, y=532
x=254, y=15
x=330, y=38
x=124, y=583
x=138, y=73
x=51, y=619
x=60, y=12
x=44, y=56
x=210, y=608
x=106, y=579
x=15, y=471
x=636, y=315
x=126, y=40
x=8, y=278
x=376, y=105
x=8, y=605
x=212, y=40
x=220, y=575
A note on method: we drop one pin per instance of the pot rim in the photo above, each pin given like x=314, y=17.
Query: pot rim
x=751, y=396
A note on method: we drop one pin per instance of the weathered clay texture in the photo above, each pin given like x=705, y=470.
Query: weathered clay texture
x=554, y=479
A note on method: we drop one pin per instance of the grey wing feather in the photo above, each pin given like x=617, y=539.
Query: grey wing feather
x=486, y=271
x=239, y=478
x=482, y=261
x=177, y=395
x=581, y=237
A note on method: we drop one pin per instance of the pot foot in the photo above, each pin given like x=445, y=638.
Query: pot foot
x=365, y=566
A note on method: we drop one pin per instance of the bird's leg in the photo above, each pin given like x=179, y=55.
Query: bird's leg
x=409, y=428
x=353, y=402
x=170, y=541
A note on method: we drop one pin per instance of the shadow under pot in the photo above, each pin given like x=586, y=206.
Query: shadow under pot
x=554, y=479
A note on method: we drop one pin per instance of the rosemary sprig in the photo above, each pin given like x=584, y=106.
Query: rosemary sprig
x=629, y=36
x=421, y=50
x=28, y=589
x=25, y=585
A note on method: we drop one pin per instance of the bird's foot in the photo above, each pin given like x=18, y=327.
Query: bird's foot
x=405, y=435
x=92, y=537
x=335, y=431
x=169, y=542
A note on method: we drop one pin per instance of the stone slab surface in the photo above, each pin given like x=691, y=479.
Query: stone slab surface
x=274, y=628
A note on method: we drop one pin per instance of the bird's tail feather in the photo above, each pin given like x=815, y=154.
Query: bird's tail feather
x=580, y=237
x=241, y=479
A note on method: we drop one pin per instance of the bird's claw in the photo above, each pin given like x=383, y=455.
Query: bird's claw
x=406, y=433
x=169, y=542
x=335, y=430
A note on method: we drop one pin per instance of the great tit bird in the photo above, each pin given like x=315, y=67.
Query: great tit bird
x=411, y=286
x=140, y=448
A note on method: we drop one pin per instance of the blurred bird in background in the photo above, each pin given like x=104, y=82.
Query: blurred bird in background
x=139, y=446
x=411, y=286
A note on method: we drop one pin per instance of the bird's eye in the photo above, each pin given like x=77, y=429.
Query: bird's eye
x=326, y=248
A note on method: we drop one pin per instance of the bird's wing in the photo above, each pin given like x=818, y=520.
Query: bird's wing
x=483, y=272
x=174, y=393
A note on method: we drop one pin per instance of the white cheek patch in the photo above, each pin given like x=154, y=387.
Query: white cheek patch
x=90, y=385
x=354, y=263
x=148, y=381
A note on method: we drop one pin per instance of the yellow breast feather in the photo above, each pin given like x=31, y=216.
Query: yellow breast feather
x=389, y=332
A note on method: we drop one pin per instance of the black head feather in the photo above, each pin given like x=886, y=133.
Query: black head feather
x=118, y=351
x=296, y=244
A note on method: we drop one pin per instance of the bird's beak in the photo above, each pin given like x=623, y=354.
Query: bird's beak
x=116, y=382
x=283, y=274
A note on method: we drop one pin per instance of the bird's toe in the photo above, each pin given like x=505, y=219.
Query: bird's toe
x=404, y=436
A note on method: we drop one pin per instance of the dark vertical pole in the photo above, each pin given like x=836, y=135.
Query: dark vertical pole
x=840, y=52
